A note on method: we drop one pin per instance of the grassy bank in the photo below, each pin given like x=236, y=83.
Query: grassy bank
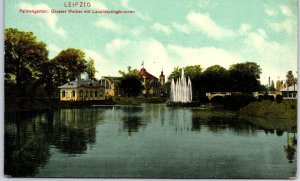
x=272, y=109
x=138, y=100
x=41, y=104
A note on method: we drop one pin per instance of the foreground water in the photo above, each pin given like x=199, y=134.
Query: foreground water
x=148, y=141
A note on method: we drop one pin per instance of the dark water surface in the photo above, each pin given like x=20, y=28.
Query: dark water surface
x=151, y=141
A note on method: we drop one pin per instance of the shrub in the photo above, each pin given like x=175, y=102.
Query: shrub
x=259, y=98
x=279, y=98
x=271, y=98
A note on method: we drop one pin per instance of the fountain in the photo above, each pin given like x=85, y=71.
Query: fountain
x=181, y=92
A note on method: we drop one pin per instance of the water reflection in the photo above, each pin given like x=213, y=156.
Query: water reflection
x=28, y=137
x=26, y=145
x=290, y=148
x=132, y=124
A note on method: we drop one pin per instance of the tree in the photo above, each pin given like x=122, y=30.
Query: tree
x=23, y=56
x=91, y=70
x=130, y=82
x=215, y=78
x=245, y=77
x=69, y=65
x=290, y=79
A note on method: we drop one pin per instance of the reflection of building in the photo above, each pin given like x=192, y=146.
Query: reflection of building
x=110, y=85
x=290, y=148
x=290, y=92
x=152, y=85
x=81, y=90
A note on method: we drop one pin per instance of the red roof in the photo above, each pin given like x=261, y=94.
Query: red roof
x=143, y=73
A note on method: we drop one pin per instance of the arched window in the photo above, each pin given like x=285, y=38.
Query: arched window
x=73, y=93
x=63, y=94
x=81, y=93
x=96, y=93
x=91, y=93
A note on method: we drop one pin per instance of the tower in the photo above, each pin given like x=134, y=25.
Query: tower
x=162, y=78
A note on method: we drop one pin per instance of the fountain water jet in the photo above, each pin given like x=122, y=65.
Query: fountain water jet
x=181, y=89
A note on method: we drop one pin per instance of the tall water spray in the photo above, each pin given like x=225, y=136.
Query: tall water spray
x=181, y=89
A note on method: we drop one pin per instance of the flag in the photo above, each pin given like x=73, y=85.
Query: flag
x=142, y=63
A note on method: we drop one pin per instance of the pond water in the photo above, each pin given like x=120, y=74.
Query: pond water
x=148, y=141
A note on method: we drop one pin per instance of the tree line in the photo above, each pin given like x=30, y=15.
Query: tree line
x=28, y=70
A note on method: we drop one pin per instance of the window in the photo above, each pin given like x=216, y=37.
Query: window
x=96, y=93
x=63, y=94
x=91, y=93
x=73, y=93
x=81, y=93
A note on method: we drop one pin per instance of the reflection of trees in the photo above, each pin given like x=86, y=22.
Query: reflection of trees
x=26, y=146
x=28, y=137
x=271, y=125
x=76, y=129
x=290, y=148
x=196, y=123
x=132, y=124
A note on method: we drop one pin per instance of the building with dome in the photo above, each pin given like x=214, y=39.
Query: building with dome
x=152, y=85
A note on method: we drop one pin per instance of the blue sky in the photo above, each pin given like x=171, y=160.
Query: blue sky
x=169, y=33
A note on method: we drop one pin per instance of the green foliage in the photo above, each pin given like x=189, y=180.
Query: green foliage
x=70, y=64
x=129, y=72
x=23, y=56
x=131, y=83
x=245, y=77
x=215, y=78
x=91, y=70
x=235, y=102
x=279, y=98
x=290, y=79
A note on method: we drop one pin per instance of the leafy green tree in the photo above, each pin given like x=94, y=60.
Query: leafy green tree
x=129, y=72
x=69, y=65
x=245, y=77
x=91, y=70
x=290, y=79
x=130, y=82
x=215, y=79
x=49, y=71
x=23, y=56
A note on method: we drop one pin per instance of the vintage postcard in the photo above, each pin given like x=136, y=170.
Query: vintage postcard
x=201, y=89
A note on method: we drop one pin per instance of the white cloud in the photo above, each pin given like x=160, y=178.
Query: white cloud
x=270, y=12
x=99, y=61
x=98, y=58
x=108, y=24
x=116, y=45
x=156, y=56
x=244, y=28
x=124, y=3
x=204, y=56
x=274, y=58
x=98, y=5
x=142, y=16
x=53, y=50
x=162, y=28
x=285, y=10
x=137, y=31
x=49, y=18
x=182, y=28
x=203, y=23
x=287, y=25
